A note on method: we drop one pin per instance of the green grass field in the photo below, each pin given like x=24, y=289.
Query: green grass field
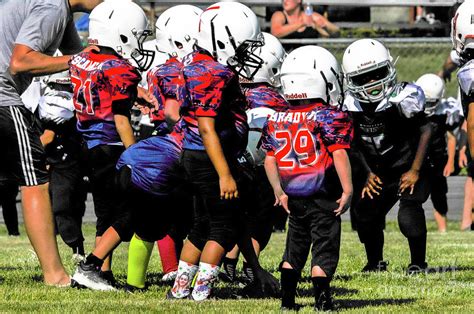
x=452, y=291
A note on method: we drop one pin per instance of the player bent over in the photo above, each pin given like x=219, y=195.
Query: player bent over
x=154, y=172
x=309, y=169
x=105, y=87
x=391, y=136
x=444, y=115
x=263, y=99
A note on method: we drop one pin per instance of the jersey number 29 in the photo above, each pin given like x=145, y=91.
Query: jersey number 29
x=303, y=146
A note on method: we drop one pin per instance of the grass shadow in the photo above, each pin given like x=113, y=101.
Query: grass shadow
x=354, y=304
x=336, y=291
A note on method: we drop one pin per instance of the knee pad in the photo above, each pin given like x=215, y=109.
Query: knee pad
x=411, y=219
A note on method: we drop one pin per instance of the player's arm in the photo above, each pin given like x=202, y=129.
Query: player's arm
x=26, y=60
x=172, y=111
x=271, y=169
x=409, y=178
x=451, y=143
x=124, y=129
x=463, y=145
x=343, y=169
x=215, y=152
x=470, y=127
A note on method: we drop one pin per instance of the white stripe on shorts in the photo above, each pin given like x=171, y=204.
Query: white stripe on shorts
x=24, y=147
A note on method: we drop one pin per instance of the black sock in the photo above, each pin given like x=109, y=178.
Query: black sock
x=374, y=248
x=94, y=260
x=289, y=282
x=248, y=271
x=418, y=249
x=78, y=248
x=320, y=284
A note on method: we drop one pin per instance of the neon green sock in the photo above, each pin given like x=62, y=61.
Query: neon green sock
x=139, y=253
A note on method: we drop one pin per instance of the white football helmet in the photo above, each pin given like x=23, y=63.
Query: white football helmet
x=272, y=54
x=462, y=30
x=176, y=30
x=230, y=31
x=369, y=70
x=433, y=87
x=311, y=72
x=122, y=26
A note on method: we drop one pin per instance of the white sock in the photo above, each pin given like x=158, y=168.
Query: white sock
x=184, y=279
x=206, y=275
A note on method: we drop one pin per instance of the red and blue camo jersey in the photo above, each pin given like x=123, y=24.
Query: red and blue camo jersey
x=213, y=90
x=262, y=95
x=302, y=139
x=165, y=81
x=104, y=85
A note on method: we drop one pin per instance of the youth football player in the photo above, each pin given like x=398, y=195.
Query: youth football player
x=105, y=87
x=391, y=138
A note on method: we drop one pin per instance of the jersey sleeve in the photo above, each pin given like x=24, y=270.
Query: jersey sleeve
x=123, y=82
x=336, y=129
x=206, y=91
x=41, y=27
x=269, y=142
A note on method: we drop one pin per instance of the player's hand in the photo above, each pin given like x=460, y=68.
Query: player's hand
x=145, y=110
x=462, y=159
x=144, y=96
x=267, y=282
x=408, y=180
x=228, y=188
x=448, y=169
x=281, y=199
x=373, y=185
x=344, y=203
x=91, y=48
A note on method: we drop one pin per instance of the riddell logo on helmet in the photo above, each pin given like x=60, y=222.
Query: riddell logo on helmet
x=366, y=63
x=296, y=96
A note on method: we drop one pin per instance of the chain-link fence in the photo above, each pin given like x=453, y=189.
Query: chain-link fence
x=416, y=56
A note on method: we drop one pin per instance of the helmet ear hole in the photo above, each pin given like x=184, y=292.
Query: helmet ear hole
x=220, y=44
x=178, y=44
x=274, y=70
x=124, y=39
x=330, y=86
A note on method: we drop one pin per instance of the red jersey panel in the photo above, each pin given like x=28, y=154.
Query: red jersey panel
x=302, y=140
x=104, y=85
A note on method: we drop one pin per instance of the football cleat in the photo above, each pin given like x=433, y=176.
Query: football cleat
x=88, y=275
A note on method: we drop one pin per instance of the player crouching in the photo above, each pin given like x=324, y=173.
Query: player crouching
x=309, y=169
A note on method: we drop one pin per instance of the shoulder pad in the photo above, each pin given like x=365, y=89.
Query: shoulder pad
x=409, y=99
x=452, y=108
x=466, y=78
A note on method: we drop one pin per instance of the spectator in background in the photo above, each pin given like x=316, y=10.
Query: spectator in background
x=8, y=193
x=300, y=21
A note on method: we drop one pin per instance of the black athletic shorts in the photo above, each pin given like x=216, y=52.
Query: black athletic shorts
x=23, y=158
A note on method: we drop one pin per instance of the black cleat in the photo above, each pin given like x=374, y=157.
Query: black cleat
x=379, y=267
x=415, y=269
x=324, y=301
